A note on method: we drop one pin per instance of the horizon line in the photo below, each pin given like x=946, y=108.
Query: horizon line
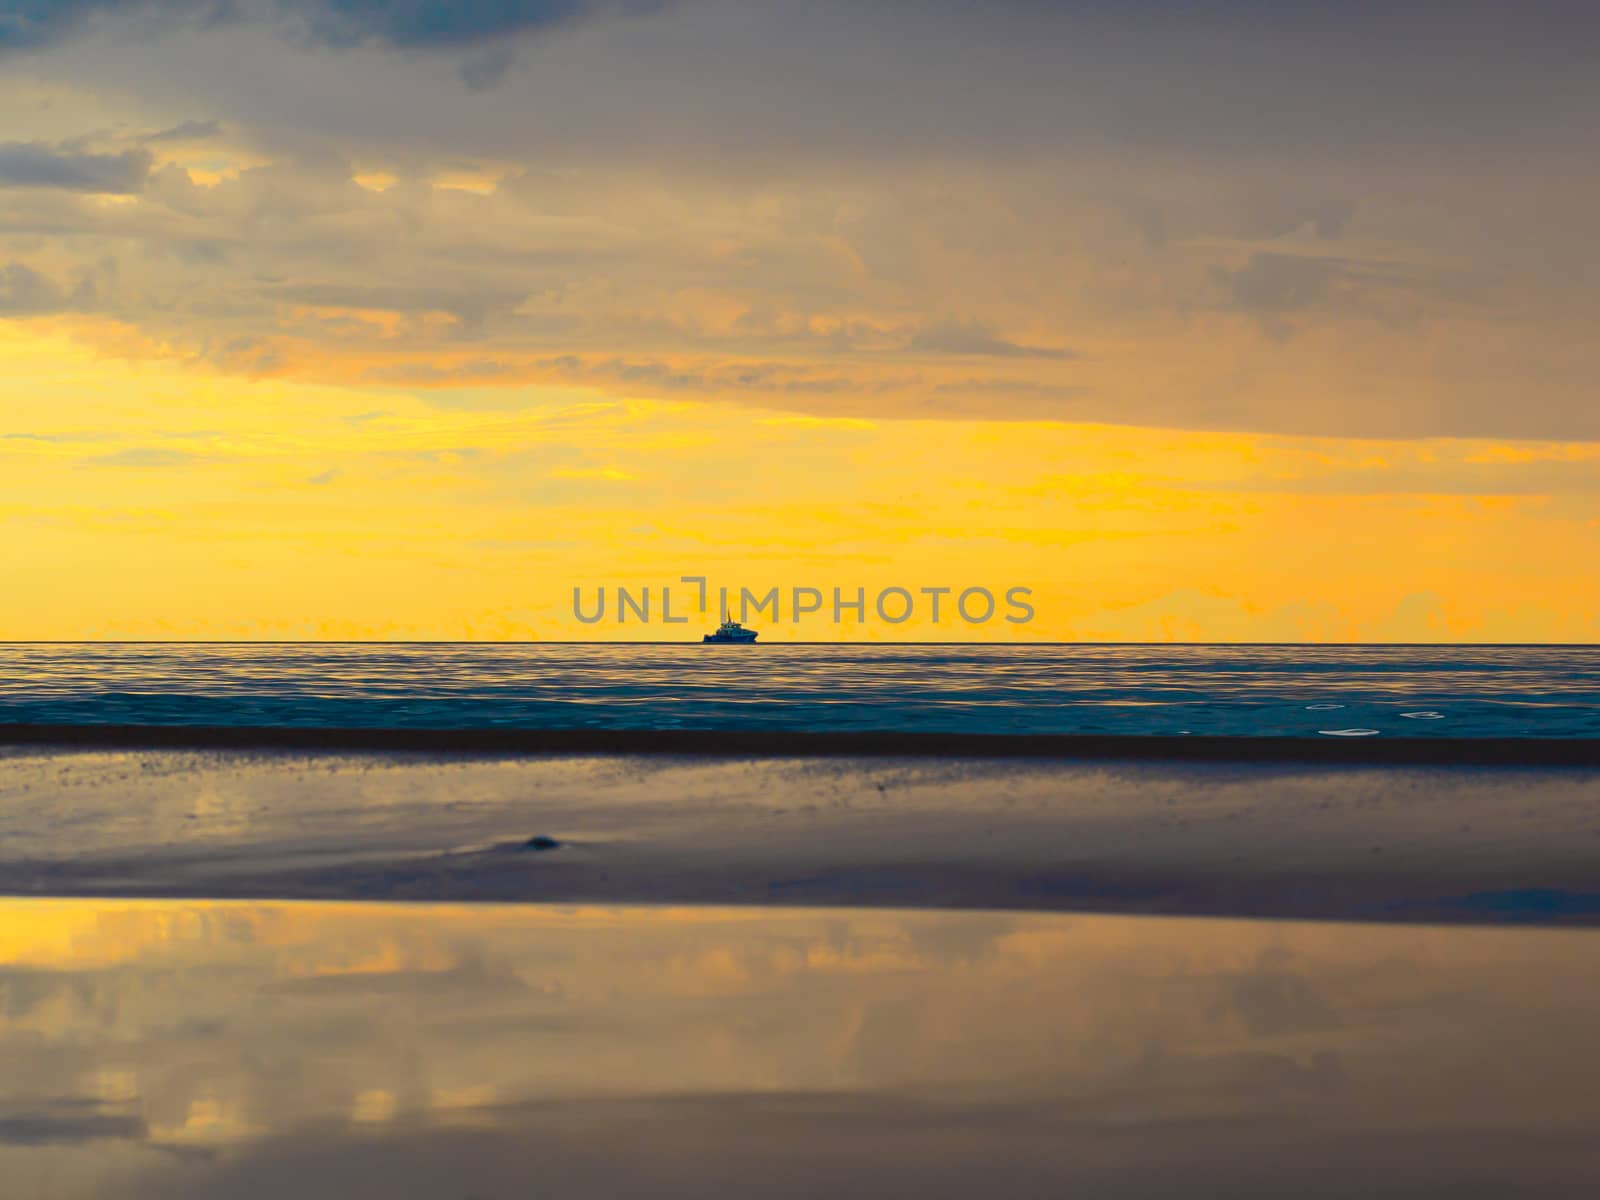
x=686, y=642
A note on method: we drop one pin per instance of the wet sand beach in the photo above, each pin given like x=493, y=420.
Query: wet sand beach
x=257, y=1050
x=1270, y=839
x=263, y=972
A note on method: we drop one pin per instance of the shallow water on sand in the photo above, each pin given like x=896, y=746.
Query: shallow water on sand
x=187, y=1049
x=1330, y=691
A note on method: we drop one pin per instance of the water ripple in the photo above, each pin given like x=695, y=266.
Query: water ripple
x=1206, y=690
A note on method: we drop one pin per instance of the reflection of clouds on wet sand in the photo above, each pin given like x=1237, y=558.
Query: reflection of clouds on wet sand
x=264, y=1049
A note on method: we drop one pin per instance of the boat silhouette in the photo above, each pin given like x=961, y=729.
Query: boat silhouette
x=731, y=631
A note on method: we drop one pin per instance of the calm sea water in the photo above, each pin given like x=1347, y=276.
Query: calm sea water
x=1333, y=691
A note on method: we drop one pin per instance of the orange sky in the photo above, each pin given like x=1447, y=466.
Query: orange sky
x=407, y=335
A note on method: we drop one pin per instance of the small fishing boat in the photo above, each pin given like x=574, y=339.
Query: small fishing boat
x=731, y=631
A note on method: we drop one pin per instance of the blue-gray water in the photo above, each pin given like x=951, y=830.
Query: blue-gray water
x=1332, y=691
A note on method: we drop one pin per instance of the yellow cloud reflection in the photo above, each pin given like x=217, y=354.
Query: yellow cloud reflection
x=240, y=1028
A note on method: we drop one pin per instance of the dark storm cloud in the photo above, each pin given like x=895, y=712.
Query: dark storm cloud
x=427, y=22
x=27, y=24
x=37, y=164
x=753, y=81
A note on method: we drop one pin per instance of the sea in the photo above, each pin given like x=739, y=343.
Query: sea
x=1332, y=691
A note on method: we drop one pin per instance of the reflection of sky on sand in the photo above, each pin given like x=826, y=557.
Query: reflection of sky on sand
x=194, y=1049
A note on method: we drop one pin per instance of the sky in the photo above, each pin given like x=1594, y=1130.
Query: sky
x=1219, y=320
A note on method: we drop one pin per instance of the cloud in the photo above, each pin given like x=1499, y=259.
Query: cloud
x=1574, y=476
x=143, y=456
x=1125, y=217
x=437, y=23
x=469, y=304
x=612, y=474
x=406, y=24
x=38, y=164
x=188, y=131
x=473, y=977
x=972, y=338
x=25, y=292
x=486, y=70
x=1272, y=1001
x=1276, y=286
x=75, y=1125
x=26, y=24
x=424, y=374
x=1273, y=283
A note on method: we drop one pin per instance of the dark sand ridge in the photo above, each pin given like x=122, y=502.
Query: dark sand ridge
x=1263, y=838
x=776, y=743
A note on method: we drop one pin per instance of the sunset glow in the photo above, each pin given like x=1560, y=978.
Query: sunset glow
x=398, y=336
